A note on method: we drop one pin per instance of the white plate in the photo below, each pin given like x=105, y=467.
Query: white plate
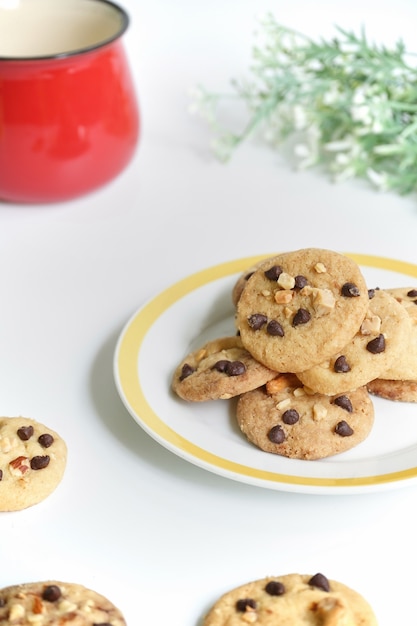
x=199, y=308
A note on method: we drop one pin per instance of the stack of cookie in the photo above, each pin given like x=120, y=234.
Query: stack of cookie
x=312, y=342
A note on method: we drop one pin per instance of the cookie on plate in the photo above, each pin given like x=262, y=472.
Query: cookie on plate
x=377, y=346
x=219, y=370
x=53, y=603
x=290, y=600
x=300, y=308
x=32, y=462
x=397, y=390
x=405, y=368
x=407, y=297
x=284, y=418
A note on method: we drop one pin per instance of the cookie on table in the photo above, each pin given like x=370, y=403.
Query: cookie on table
x=397, y=390
x=284, y=418
x=289, y=600
x=32, y=462
x=377, y=346
x=406, y=367
x=300, y=308
x=54, y=603
x=219, y=370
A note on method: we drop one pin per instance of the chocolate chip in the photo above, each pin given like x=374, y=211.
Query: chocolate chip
x=235, y=368
x=341, y=366
x=344, y=403
x=231, y=368
x=275, y=588
x=39, y=462
x=300, y=282
x=186, y=371
x=376, y=345
x=350, y=290
x=257, y=320
x=301, y=317
x=25, y=432
x=412, y=293
x=46, y=440
x=343, y=429
x=1, y=474
x=320, y=581
x=221, y=365
x=51, y=593
x=371, y=293
x=244, y=604
x=274, y=272
x=275, y=329
x=290, y=417
x=276, y=434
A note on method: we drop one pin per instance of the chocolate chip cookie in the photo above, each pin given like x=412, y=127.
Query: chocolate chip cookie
x=377, y=346
x=53, y=603
x=284, y=418
x=397, y=390
x=290, y=600
x=32, y=462
x=300, y=308
x=219, y=370
x=405, y=368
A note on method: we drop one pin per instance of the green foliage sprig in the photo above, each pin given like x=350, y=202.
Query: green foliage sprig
x=348, y=103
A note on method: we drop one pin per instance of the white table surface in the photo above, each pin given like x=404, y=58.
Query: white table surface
x=159, y=536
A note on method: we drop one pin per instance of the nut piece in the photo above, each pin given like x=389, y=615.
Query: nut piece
x=284, y=404
x=283, y=296
x=7, y=444
x=320, y=268
x=283, y=381
x=249, y=617
x=333, y=612
x=37, y=606
x=17, y=612
x=200, y=355
x=65, y=606
x=322, y=300
x=319, y=412
x=286, y=281
x=19, y=466
x=371, y=325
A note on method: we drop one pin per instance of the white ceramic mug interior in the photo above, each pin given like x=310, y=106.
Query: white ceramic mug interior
x=31, y=29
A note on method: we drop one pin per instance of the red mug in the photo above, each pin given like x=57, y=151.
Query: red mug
x=69, y=118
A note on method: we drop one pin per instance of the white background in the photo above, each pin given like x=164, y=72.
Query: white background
x=157, y=535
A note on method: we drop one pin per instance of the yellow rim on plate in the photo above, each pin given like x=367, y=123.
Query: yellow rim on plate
x=131, y=390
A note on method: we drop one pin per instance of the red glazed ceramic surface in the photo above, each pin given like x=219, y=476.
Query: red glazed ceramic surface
x=69, y=121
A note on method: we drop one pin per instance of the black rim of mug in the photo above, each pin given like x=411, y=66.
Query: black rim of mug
x=125, y=20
